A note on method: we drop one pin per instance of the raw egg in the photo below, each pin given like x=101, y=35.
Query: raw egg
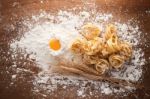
x=54, y=44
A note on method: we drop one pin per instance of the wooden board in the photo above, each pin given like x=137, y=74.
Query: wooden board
x=13, y=11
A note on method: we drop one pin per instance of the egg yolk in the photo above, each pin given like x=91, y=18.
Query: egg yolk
x=54, y=44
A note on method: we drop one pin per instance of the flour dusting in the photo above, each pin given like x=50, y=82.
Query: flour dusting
x=66, y=24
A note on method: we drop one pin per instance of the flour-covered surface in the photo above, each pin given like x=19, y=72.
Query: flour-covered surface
x=26, y=58
x=65, y=28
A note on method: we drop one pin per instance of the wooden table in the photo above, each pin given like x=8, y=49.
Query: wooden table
x=12, y=13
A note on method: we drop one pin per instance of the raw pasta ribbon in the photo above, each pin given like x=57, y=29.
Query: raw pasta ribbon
x=101, y=52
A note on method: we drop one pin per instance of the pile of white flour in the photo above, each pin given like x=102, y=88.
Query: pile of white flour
x=35, y=41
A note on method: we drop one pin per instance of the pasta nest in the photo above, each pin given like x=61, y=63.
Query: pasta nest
x=101, y=52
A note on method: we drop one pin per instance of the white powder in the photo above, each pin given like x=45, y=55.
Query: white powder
x=80, y=93
x=35, y=43
x=148, y=11
x=15, y=4
x=14, y=77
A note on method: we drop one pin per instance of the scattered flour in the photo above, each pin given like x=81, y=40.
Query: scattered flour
x=148, y=11
x=66, y=25
x=15, y=4
x=14, y=76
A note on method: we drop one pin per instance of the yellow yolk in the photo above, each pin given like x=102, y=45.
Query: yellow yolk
x=54, y=44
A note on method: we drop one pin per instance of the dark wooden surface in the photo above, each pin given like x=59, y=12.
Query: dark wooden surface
x=123, y=9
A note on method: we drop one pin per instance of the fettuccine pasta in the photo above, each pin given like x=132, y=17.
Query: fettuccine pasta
x=116, y=61
x=101, y=52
